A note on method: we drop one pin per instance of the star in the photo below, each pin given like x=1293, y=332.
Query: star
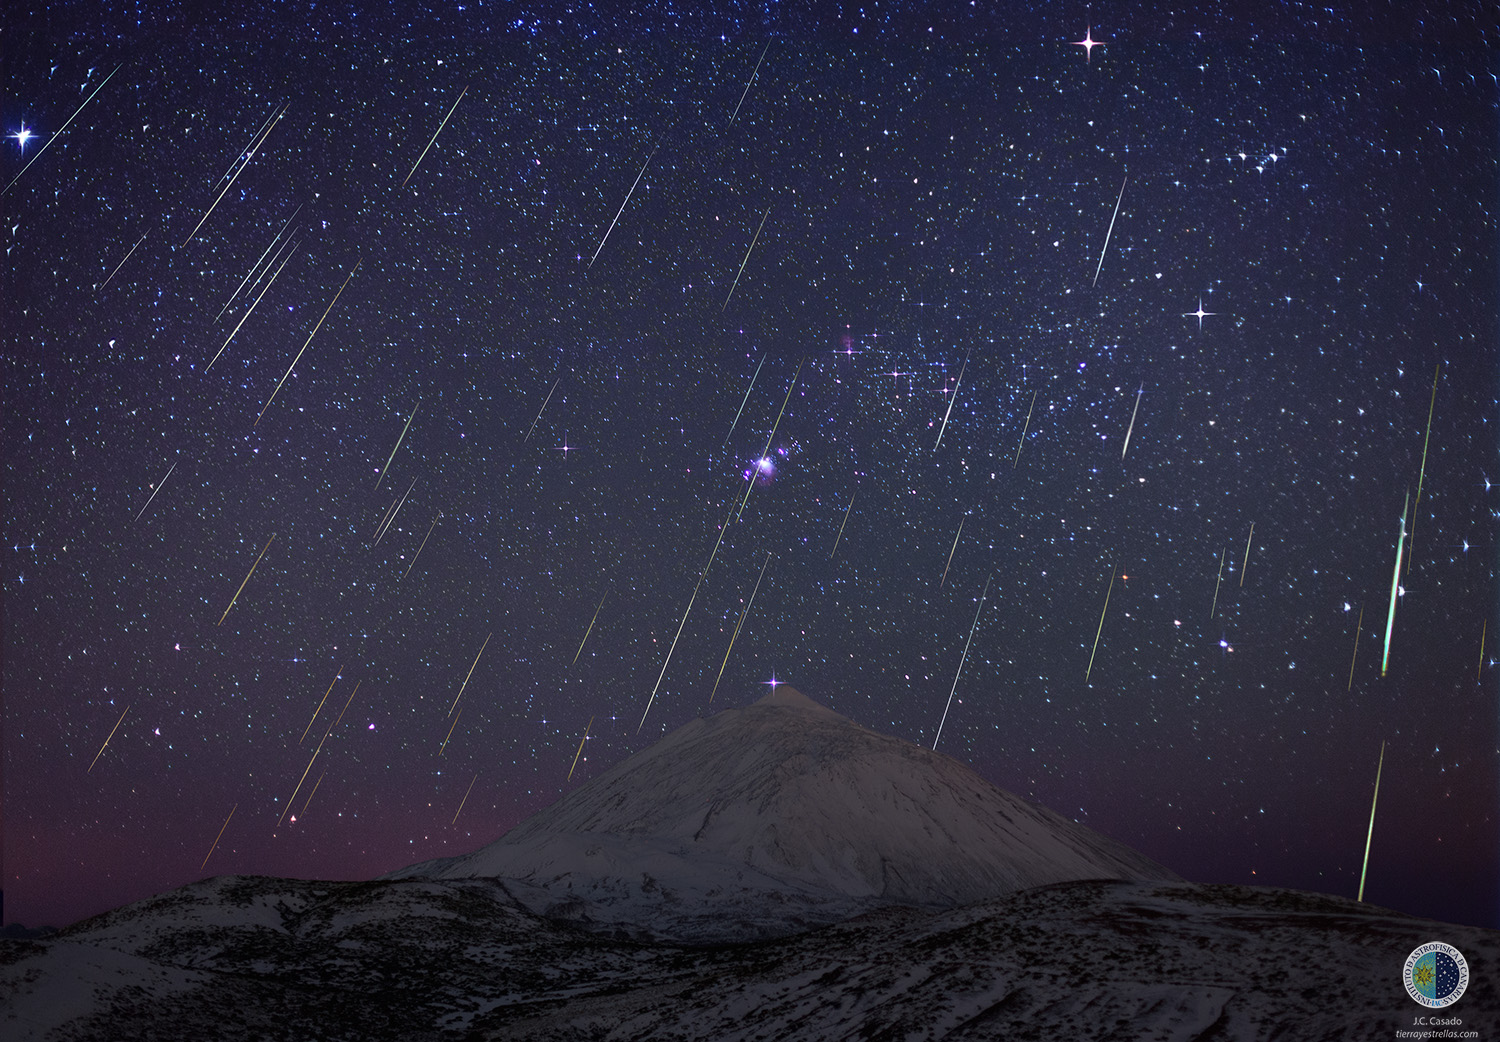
x=1088, y=43
x=22, y=136
x=1200, y=314
x=773, y=683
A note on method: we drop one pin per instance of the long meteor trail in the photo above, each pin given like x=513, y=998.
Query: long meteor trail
x=254, y=147
x=247, y=579
x=540, y=411
x=399, y=440
x=1026, y=428
x=253, y=304
x=750, y=484
x=1422, y=473
x=586, y=632
x=1100, y=630
x=961, y=662
x=952, y=398
x=309, y=340
x=470, y=674
x=122, y=263
x=846, y=521
x=622, y=207
x=105, y=746
x=746, y=260
x=1111, y=230
x=745, y=93
x=435, y=134
x=159, y=484
x=1369, y=835
x=738, y=626
x=1131, y=428
x=743, y=400
x=60, y=129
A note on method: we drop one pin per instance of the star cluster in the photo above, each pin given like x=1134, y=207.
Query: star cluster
x=499, y=433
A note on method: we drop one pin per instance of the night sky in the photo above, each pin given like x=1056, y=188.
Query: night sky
x=979, y=256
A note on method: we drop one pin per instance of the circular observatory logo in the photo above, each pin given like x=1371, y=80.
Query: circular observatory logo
x=1435, y=975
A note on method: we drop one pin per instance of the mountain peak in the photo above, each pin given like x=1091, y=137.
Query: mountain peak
x=786, y=695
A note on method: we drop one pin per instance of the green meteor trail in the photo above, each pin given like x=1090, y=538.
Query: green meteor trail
x=1390, y=619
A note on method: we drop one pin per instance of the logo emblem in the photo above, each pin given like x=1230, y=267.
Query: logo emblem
x=1435, y=975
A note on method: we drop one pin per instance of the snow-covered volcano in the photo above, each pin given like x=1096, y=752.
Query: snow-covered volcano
x=764, y=820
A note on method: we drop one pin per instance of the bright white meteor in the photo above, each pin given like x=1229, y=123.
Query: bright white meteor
x=60, y=129
x=1111, y=230
x=961, y=662
x=622, y=207
x=951, y=400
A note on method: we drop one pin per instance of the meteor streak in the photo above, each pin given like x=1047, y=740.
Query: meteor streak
x=464, y=800
x=253, y=304
x=1355, y=657
x=269, y=126
x=586, y=632
x=435, y=134
x=1371, y=833
x=964, y=659
x=746, y=260
x=580, y=749
x=952, y=548
x=951, y=400
x=1110, y=232
x=846, y=521
x=540, y=411
x=451, y=729
x=622, y=207
x=60, y=129
x=1245, y=567
x=470, y=674
x=105, y=746
x=1422, y=473
x=121, y=264
x=217, y=838
x=1131, y=428
x=1483, y=632
x=320, y=705
x=310, y=336
x=247, y=579
x=748, y=83
x=743, y=400
x=673, y=648
x=1214, y=606
x=737, y=626
x=256, y=266
x=770, y=437
x=1100, y=630
x=1390, y=619
x=154, y=491
x=312, y=794
x=392, y=516
x=1027, y=427
x=399, y=440
x=423, y=546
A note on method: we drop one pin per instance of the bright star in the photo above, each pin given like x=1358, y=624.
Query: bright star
x=1200, y=314
x=1088, y=43
x=22, y=136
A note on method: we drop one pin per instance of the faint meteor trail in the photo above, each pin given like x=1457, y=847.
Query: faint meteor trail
x=1026, y=428
x=451, y=729
x=314, y=758
x=256, y=266
x=951, y=549
x=122, y=263
x=251, y=310
x=1111, y=230
x=154, y=491
x=435, y=134
x=1214, y=606
x=961, y=662
x=464, y=800
x=540, y=411
x=309, y=340
x=743, y=400
x=622, y=207
x=470, y=674
x=846, y=521
x=1131, y=428
x=254, y=147
x=1423, y=472
x=673, y=648
x=1088, y=672
x=320, y=705
x=1483, y=632
x=746, y=260
x=60, y=129
x=586, y=632
x=1390, y=619
x=737, y=627
x=399, y=440
x=1355, y=657
x=1371, y=833
x=1246, y=566
x=105, y=746
x=310, y=795
x=951, y=399
x=217, y=838
x=748, y=84
x=247, y=579
x=423, y=546
x=392, y=515
x=580, y=749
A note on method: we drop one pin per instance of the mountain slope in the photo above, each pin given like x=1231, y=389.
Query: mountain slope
x=763, y=820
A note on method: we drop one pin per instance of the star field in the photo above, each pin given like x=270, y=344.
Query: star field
x=886, y=262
